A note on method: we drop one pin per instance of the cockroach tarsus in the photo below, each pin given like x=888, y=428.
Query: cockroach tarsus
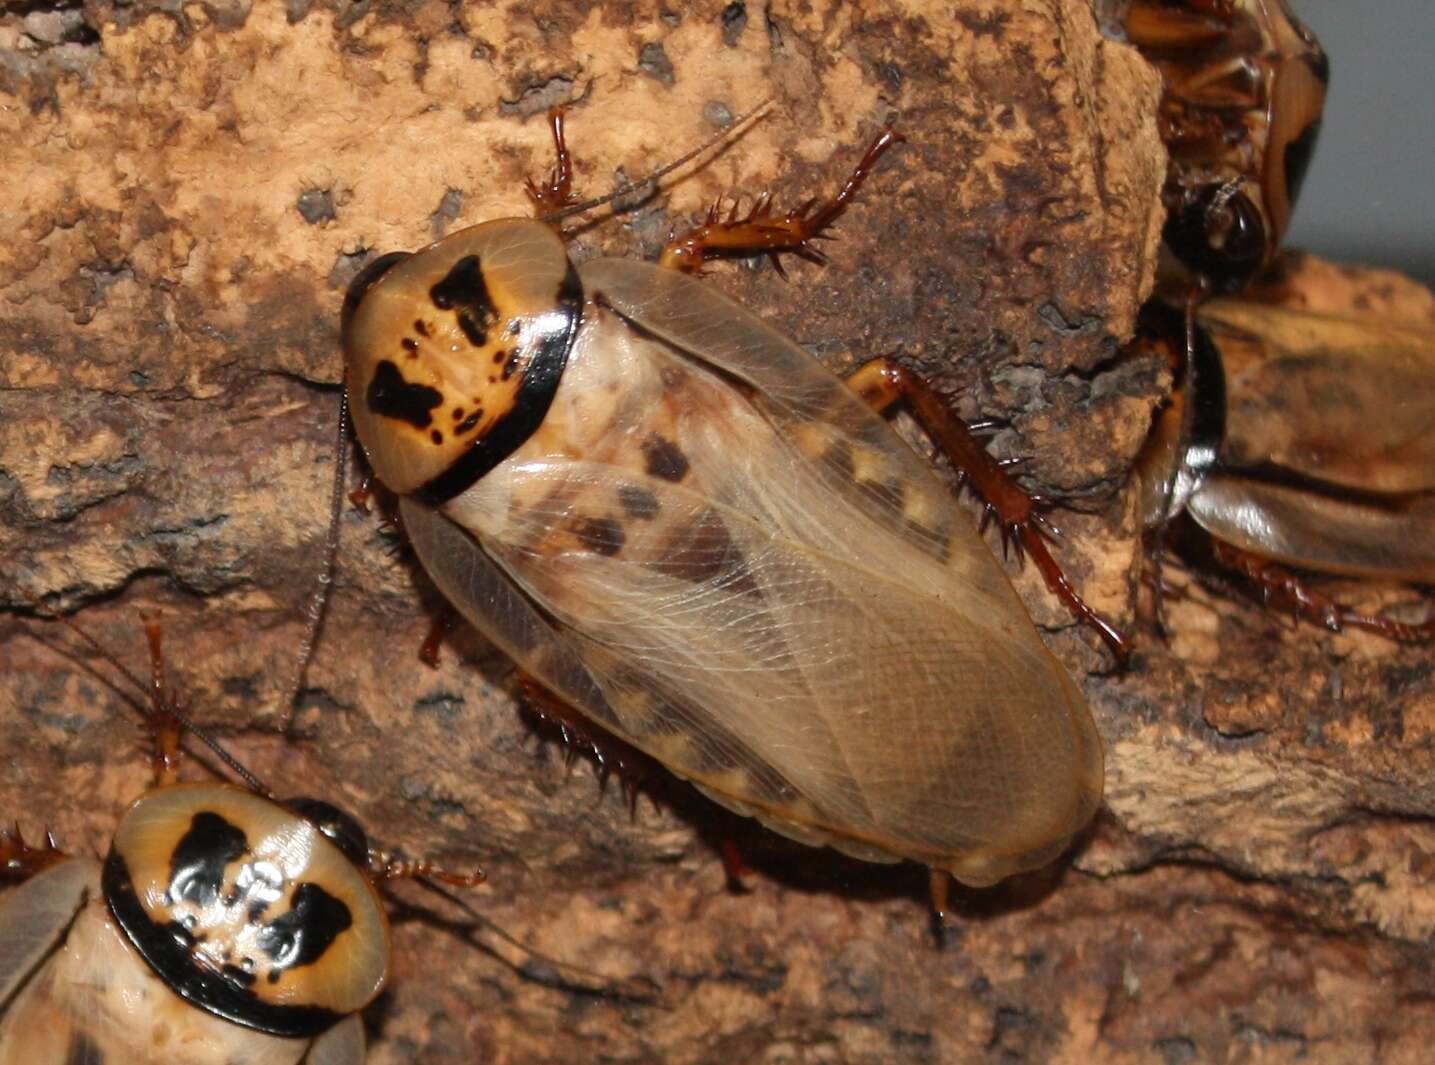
x=686, y=529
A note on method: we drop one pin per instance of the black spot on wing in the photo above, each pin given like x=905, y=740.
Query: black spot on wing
x=603, y=535
x=302, y=935
x=196, y=869
x=83, y=1050
x=664, y=459
x=464, y=291
x=637, y=502
x=391, y=396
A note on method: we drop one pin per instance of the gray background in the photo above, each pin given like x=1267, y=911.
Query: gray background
x=1369, y=195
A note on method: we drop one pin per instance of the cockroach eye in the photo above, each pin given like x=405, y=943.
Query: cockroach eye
x=367, y=278
x=340, y=828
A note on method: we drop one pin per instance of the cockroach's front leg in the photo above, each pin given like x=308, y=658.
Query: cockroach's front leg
x=1283, y=590
x=164, y=727
x=557, y=192
x=882, y=383
x=761, y=231
x=20, y=861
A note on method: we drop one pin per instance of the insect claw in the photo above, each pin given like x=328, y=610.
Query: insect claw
x=988, y=513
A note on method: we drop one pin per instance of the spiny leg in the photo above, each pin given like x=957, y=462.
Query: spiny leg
x=557, y=192
x=763, y=232
x=882, y=383
x=1282, y=589
x=612, y=756
x=20, y=861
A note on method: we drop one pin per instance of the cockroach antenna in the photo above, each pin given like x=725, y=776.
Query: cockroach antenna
x=739, y=126
x=158, y=693
x=318, y=602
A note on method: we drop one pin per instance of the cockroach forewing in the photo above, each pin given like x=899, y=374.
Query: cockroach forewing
x=35, y=915
x=1326, y=532
x=805, y=626
x=1345, y=401
x=342, y=1044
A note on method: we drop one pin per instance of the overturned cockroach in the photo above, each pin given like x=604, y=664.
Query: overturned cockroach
x=685, y=527
x=1299, y=439
x=1244, y=89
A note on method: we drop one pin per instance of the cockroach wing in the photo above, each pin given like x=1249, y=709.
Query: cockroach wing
x=35, y=915
x=1345, y=401
x=342, y=1044
x=1332, y=533
x=789, y=610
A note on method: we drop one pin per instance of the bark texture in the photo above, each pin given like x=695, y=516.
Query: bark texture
x=190, y=188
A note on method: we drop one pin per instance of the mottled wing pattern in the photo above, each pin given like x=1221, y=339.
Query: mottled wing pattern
x=35, y=915
x=1347, y=401
x=796, y=617
x=342, y=1044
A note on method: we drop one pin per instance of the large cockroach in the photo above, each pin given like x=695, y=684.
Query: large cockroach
x=685, y=527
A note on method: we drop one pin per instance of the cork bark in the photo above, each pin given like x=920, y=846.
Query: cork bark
x=189, y=188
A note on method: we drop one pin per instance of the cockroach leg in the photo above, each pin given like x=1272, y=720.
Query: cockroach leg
x=761, y=231
x=612, y=757
x=938, y=884
x=557, y=192
x=393, y=867
x=163, y=726
x=20, y=861
x=734, y=868
x=439, y=626
x=1282, y=589
x=882, y=382
x=362, y=497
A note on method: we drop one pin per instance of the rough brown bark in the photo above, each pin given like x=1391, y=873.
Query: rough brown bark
x=189, y=188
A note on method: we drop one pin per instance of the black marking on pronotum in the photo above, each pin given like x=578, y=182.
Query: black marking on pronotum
x=338, y=827
x=196, y=869
x=359, y=287
x=548, y=355
x=212, y=990
x=393, y=397
x=464, y=291
x=305, y=932
x=664, y=459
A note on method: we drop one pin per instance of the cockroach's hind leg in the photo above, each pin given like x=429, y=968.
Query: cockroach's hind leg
x=883, y=382
x=761, y=231
x=1282, y=589
x=20, y=861
x=611, y=756
x=555, y=193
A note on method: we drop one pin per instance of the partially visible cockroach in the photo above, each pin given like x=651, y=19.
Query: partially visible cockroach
x=1299, y=439
x=686, y=528
x=1244, y=86
x=223, y=925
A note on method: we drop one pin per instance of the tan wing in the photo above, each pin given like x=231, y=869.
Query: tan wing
x=1329, y=533
x=342, y=1044
x=35, y=915
x=1343, y=400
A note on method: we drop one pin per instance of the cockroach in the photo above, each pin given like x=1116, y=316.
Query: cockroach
x=1244, y=89
x=687, y=529
x=1300, y=439
x=223, y=925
